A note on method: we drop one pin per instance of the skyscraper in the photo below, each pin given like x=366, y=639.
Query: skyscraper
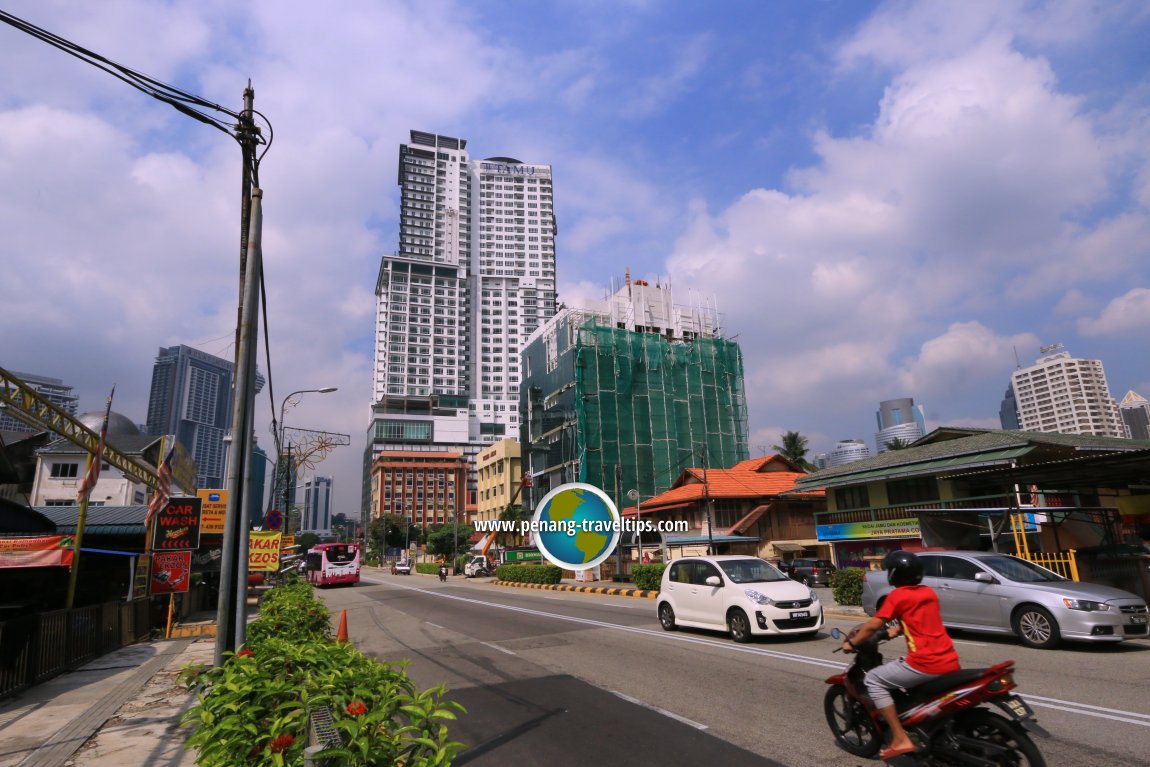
x=52, y=389
x=1135, y=412
x=1060, y=393
x=473, y=275
x=191, y=398
x=315, y=505
x=898, y=419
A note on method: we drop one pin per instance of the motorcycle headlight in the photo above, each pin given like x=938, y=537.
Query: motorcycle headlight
x=757, y=598
x=1085, y=605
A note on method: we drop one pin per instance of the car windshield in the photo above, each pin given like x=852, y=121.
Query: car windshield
x=751, y=571
x=1020, y=570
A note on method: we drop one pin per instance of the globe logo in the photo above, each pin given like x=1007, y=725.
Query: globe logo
x=576, y=526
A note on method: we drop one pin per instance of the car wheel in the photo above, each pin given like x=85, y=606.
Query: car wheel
x=667, y=617
x=739, y=625
x=1036, y=627
x=805, y=581
x=850, y=723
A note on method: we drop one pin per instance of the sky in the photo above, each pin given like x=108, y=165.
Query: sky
x=883, y=200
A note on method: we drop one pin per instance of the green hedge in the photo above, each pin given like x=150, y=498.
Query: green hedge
x=516, y=573
x=253, y=709
x=847, y=585
x=427, y=568
x=648, y=576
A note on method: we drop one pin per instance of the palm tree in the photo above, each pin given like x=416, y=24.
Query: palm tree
x=794, y=449
x=897, y=443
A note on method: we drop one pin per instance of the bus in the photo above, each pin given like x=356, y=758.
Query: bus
x=330, y=564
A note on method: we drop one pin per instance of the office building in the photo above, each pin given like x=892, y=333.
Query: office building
x=52, y=389
x=627, y=392
x=498, y=470
x=424, y=487
x=844, y=452
x=314, y=505
x=898, y=419
x=1135, y=412
x=472, y=277
x=1008, y=411
x=1060, y=393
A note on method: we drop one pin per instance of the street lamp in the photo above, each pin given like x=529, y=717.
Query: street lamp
x=633, y=494
x=284, y=468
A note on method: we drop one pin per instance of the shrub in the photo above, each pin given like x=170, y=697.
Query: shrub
x=647, y=576
x=253, y=709
x=427, y=568
x=847, y=585
x=519, y=573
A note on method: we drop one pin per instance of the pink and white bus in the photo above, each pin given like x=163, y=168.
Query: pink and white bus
x=330, y=564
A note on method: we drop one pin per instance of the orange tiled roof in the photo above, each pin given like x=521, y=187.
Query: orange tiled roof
x=756, y=478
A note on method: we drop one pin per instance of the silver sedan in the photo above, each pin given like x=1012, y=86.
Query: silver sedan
x=999, y=593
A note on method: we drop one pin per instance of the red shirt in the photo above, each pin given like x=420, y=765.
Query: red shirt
x=929, y=649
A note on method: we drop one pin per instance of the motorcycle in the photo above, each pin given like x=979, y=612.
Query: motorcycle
x=443, y=573
x=951, y=716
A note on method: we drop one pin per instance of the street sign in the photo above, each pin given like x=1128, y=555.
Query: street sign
x=274, y=520
x=213, y=509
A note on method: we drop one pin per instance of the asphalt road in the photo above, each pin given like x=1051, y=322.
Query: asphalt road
x=562, y=678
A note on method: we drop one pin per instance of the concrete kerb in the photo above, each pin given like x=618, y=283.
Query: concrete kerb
x=615, y=591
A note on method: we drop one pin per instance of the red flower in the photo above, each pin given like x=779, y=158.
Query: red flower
x=356, y=708
x=281, y=743
x=244, y=654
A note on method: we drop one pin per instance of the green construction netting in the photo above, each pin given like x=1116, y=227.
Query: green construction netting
x=653, y=407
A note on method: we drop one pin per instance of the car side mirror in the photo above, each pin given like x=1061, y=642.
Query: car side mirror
x=714, y=580
x=985, y=578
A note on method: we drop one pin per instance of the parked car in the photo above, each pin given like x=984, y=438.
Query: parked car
x=745, y=596
x=1003, y=594
x=811, y=572
x=402, y=567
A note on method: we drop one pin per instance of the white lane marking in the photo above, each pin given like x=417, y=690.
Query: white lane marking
x=435, y=625
x=1086, y=709
x=967, y=641
x=497, y=647
x=663, y=711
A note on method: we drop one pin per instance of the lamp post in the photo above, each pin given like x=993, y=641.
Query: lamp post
x=284, y=467
x=633, y=494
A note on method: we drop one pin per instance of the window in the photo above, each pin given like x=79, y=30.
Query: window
x=64, y=470
x=960, y=569
x=852, y=497
x=912, y=490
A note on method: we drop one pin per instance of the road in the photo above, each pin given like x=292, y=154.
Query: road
x=562, y=678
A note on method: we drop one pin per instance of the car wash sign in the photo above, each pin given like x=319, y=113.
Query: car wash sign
x=177, y=526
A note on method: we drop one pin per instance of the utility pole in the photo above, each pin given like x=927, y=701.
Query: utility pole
x=619, y=505
x=707, y=504
x=231, y=620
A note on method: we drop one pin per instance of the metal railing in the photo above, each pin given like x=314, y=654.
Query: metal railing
x=34, y=648
x=1062, y=562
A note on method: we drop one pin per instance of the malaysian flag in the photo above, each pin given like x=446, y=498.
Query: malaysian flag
x=93, y=472
x=163, y=488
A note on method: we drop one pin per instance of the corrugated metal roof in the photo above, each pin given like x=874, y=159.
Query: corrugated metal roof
x=101, y=520
x=988, y=458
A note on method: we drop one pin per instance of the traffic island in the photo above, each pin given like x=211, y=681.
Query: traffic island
x=615, y=591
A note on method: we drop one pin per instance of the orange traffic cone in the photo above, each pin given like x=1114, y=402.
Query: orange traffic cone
x=341, y=634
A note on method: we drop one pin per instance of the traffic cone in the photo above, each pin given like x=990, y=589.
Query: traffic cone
x=341, y=634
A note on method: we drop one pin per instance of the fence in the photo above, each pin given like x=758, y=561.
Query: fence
x=37, y=647
x=1062, y=562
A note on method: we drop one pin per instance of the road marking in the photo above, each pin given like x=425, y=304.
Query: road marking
x=967, y=641
x=497, y=647
x=663, y=711
x=436, y=625
x=1085, y=709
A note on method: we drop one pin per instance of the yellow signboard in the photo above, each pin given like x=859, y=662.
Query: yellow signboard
x=288, y=543
x=264, y=551
x=213, y=511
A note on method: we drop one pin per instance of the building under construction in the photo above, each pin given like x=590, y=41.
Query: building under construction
x=627, y=393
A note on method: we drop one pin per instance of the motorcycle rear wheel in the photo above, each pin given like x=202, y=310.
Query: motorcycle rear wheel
x=850, y=724
x=988, y=726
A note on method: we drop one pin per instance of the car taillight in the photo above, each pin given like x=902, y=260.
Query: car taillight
x=814, y=571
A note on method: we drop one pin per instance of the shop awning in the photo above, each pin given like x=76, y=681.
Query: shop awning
x=785, y=546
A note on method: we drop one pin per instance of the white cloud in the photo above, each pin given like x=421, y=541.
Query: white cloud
x=1126, y=314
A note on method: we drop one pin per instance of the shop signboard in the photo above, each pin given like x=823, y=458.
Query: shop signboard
x=177, y=526
x=213, y=509
x=171, y=572
x=529, y=555
x=264, y=551
x=41, y=551
x=881, y=528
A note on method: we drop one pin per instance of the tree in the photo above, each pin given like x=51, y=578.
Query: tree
x=898, y=443
x=794, y=449
x=304, y=542
x=513, y=513
x=442, y=541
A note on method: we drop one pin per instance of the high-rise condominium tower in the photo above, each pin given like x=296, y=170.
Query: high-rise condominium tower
x=473, y=275
x=1060, y=393
x=1135, y=412
x=898, y=419
x=52, y=389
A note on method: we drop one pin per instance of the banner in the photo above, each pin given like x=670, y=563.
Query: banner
x=264, y=551
x=171, y=572
x=886, y=528
x=43, y=551
x=177, y=526
x=213, y=508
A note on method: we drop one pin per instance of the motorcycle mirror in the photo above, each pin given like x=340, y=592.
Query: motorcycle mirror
x=836, y=634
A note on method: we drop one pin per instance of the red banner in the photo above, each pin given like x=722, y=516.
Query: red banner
x=171, y=572
x=44, y=551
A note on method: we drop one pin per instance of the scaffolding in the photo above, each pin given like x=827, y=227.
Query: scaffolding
x=653, y=406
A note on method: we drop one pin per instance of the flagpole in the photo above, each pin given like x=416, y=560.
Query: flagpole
x=73, y=575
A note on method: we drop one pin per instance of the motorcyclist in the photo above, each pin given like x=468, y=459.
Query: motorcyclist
x=443, y=572
x=929, y=649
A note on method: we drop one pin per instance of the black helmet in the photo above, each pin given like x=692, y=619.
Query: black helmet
x=903, y=568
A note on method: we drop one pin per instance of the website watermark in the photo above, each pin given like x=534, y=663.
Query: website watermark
x=574, y=527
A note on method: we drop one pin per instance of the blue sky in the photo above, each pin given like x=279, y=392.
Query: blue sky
x=882, y=199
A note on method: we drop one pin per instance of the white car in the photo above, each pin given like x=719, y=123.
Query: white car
x=745, y=596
